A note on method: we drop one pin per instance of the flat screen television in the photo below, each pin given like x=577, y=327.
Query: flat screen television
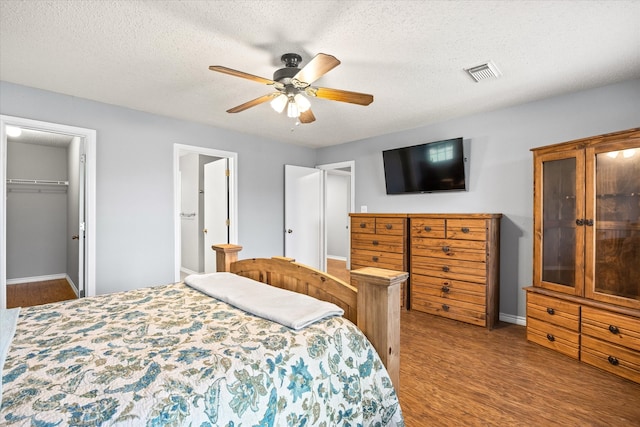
x=426, y=168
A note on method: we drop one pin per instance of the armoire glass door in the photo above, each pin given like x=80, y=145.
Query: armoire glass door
x=560, y=194
x=615, y=265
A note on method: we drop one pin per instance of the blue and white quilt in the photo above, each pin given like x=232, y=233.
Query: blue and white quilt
x=173, y=356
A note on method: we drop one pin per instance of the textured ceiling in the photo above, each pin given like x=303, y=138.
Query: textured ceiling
x=154, y=56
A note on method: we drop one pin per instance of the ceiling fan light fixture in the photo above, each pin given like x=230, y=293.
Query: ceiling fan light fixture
x=292, y=109
x=302, y=102
x=279, y=102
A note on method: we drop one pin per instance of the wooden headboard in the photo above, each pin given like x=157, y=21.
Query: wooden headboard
x=373, y=304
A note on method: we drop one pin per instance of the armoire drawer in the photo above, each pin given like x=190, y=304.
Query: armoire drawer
x=555, y=311
x=610, y=357
x=555, y=337
x=371, y=258
x=612, y=327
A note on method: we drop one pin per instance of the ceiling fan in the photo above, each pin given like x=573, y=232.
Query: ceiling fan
x=293, y=86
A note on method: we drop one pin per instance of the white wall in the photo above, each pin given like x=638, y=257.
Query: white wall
x=189, y=205
x=501, y=168
x=134, y=179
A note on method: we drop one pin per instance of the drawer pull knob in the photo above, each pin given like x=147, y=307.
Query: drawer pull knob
x=465, y=229
x=613, y=361
x=445, y=269
x=375, y=243
x=445, y=307
x=427, y=228
x=389, y=226
x=363, y=225
x=445, y=289
x=588, y=222
x=579, y=221
x=375, y=259
x=614, y=329
x=551, y=311
x=445, y=249
x=551, y=337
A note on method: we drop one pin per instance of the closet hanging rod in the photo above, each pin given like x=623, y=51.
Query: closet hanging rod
x=36, y=181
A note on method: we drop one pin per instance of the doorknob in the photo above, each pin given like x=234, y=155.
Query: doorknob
x=289, y=231
x=75, y=237
x=204, y=230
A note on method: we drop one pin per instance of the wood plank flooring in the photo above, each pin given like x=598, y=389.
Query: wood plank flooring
x=455, y=374
x=37, y=293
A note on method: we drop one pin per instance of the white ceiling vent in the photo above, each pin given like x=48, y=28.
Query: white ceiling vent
x=483, y=71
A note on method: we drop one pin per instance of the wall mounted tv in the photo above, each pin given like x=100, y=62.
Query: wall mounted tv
x=426, y=168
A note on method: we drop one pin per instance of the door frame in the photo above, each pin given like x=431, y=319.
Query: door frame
x=89, y=137
x=178, y=150
x=351, y=164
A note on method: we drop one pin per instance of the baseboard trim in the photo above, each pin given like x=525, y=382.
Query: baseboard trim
x=37, y=278
x=187, y=271
x=510, y=318
x=337, y=258
x=74, y=287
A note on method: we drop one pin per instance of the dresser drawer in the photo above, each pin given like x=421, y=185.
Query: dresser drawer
x=427, y=286
x=457, y=310
x=552, y=310
x=555, y=337
x=467, y=229
x=432, y=228
x=395, y=226
x=452, y=249
x=378, y=242
x=371, y=258
x=466, y=271
x=611, y=327
x=363, y=225
x=610, y=357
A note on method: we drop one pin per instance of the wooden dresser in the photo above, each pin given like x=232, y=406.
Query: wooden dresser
x=455, y=266
x=585, y=298
x=380, y=240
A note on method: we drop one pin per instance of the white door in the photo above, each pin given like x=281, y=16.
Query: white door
x=82, y=244
x=304, y=216
x=216, y=214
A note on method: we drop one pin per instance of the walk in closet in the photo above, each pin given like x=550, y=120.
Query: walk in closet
x=43, y=207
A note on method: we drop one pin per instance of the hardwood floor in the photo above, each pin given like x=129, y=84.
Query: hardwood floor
x=37, y=293
x=455, y=374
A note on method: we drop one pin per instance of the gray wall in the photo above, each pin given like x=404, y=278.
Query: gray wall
x=36, y=215
x=134, y=179
x=501, y=168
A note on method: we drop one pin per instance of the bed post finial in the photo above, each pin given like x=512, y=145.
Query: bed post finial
x=226, y=254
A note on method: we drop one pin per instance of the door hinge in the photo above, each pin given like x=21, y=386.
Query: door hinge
x=83, y=158
x=228, y=222
x=227, y=172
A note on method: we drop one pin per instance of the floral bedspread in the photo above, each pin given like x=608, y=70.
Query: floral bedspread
x=172, y=356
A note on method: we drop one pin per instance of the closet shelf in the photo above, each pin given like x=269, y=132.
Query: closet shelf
x=36, y=182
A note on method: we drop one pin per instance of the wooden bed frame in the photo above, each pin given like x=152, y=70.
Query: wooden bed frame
x=373, y=304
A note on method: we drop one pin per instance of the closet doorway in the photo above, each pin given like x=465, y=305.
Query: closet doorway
x=205, y=206
x=48, y=208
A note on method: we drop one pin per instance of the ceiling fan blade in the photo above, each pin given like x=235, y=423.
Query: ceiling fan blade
x=307, y=117
x=342, y=95
x=316, y=68
x=253, y=102
x=232, y=72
